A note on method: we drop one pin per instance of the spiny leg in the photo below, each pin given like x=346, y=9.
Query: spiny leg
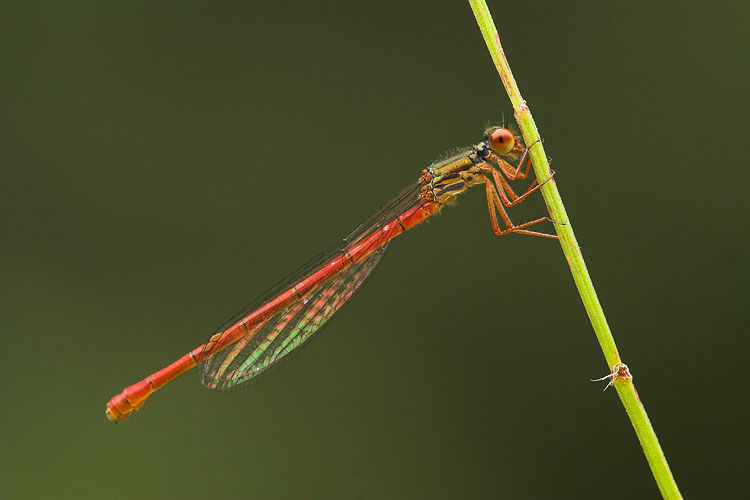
x=502, y=185
x=494, y=203
x=525, y=156
x=499, y=189
x=491, y=197
x=506, y=192
x=511, y=172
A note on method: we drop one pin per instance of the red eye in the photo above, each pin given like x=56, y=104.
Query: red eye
x=502, y=140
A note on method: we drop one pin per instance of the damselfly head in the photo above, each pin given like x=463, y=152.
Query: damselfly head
x=500, y=139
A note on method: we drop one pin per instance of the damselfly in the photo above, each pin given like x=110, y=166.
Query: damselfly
x=282, y=319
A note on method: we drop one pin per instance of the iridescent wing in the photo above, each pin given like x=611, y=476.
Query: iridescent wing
x=272, y=340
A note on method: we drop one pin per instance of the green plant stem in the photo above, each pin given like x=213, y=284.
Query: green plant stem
x=624, y=384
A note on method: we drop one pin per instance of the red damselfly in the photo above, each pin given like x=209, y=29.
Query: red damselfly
x=282, y=319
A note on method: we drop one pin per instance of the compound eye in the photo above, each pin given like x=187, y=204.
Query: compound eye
x=502, y=140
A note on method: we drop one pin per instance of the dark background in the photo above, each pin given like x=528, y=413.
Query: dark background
x=164, y=163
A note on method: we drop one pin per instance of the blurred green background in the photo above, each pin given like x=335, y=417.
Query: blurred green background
x=164, y=163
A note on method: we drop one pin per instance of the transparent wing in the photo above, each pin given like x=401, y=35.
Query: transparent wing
x=265, y=343
x=398, y=204
x=271, y=341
